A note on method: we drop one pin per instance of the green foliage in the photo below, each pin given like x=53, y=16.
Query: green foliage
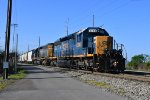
x=19, y=75
x=98, y=84
x=139, y=60
x=148, y=65
x=136, y=60
x=128, y=67
x=12, y=78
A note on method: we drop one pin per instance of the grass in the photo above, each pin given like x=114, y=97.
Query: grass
x=21, y=74
x=98, y=84
x=3, y=84
x=1, y=78
x=12, y=78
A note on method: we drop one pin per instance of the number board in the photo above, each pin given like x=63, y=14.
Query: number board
x=93, y=30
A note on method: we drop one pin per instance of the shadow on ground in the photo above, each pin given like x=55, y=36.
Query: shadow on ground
x=35, y=70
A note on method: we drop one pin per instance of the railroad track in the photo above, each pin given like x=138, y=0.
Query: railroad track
x=128, y=74
x=141, y=73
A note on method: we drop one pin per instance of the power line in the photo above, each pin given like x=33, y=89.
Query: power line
x=108, y=5
x=86, y=18
x=116, y=8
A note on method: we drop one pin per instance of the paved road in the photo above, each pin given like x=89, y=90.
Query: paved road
x=45, y=85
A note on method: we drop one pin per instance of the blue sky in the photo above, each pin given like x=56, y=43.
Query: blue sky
x=127, y=21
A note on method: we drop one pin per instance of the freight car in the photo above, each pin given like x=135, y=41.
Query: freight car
x=26, y=57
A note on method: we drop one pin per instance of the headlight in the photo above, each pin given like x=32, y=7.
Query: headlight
x=115, y=64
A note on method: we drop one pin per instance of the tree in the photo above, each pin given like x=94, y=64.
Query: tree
x=138, y=59
x=148, y=65
x=146, y=58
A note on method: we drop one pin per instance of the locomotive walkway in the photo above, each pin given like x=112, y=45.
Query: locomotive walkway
x=48, y=85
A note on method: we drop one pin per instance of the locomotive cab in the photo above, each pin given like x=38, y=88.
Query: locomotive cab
x=89, y=36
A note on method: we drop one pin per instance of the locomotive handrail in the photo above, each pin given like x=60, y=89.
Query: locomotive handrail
x=122, y=48
x=125, y=52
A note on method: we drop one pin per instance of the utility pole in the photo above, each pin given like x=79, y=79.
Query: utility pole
x=67, y=26
x=68, y=46
x=0, y=46
x=67, y=38
x=39, y=41
x=14, y=25
x=14, y=47
x=93, y=20
x=7, y=40
x=16, y=54
x=39, y=47
x=28, y=47
x=28, y=52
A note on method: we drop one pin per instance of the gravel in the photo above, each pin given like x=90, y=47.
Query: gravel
x=133, y=90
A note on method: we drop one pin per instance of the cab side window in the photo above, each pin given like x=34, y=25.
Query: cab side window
x=79, y=38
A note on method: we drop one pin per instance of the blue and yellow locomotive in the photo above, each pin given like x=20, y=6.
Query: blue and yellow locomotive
x=90, y=48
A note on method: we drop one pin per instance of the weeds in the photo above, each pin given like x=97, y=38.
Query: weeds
x=12, y=78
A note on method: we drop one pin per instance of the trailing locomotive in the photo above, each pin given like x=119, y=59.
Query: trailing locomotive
x=43, y=54
x=90, y=48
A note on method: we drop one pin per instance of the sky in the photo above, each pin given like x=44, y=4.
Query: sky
x=128, y=21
